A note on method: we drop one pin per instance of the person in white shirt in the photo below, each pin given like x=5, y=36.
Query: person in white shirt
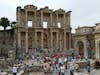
x=14, y=70
x=60, y=61
x=65, y=60
x=62, y=69
x=72, y=67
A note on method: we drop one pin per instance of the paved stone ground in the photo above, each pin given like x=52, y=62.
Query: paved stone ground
x=94, y=72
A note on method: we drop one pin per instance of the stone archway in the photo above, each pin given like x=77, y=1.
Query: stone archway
x=80, y=47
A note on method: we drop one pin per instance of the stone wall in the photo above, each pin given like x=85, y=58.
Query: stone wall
x=7, y=48
x=7, y=43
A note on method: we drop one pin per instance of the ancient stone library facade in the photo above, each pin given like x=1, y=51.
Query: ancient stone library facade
x=43, y=28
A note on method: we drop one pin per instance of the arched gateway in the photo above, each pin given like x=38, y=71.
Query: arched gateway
x=80, y=46
x=83, y=41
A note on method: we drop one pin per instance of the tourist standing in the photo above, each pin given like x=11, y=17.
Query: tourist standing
x=14, y=70
x=88, y=67
x=62, y=69
x=72, y=68
x=45, y=70
x=60, y=60
x=32, y=61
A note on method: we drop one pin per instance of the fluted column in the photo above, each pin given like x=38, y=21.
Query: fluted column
x=42, y=40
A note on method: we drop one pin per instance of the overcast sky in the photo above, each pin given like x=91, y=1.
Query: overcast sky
x=84, y=12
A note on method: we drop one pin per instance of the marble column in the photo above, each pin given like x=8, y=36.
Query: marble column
x=60, y=41
x=56, y=20
x=51, y=39
x=57, y=40
x=26, y=13
x=26, y=42
x=85, y=48
x=42, y=40
x=19, y=40
x=35, y=20
x=64, y=40
x=35, y=39
x=64, y=22
x=18, y=17
x=51, y=19
x=69, y=40
x=41, y=19
x=68, y=23
x=97, y=49
x=26, y=35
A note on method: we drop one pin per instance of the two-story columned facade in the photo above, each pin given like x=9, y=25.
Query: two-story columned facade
x=43, y=28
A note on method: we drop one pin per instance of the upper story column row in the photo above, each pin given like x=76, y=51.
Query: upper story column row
x=30, y=16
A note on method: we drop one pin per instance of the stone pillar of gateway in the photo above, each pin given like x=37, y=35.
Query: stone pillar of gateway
x=57, y=29
x=97, y=41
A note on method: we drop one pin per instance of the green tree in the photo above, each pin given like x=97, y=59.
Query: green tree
x=4, y=22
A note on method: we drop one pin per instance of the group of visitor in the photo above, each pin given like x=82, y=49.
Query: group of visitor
x=61, y=63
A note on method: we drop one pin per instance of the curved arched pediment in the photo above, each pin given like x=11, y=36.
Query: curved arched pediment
x=60, y=10
x=30, y=7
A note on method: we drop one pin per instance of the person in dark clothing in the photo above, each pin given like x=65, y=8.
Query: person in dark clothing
x=88, y=68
